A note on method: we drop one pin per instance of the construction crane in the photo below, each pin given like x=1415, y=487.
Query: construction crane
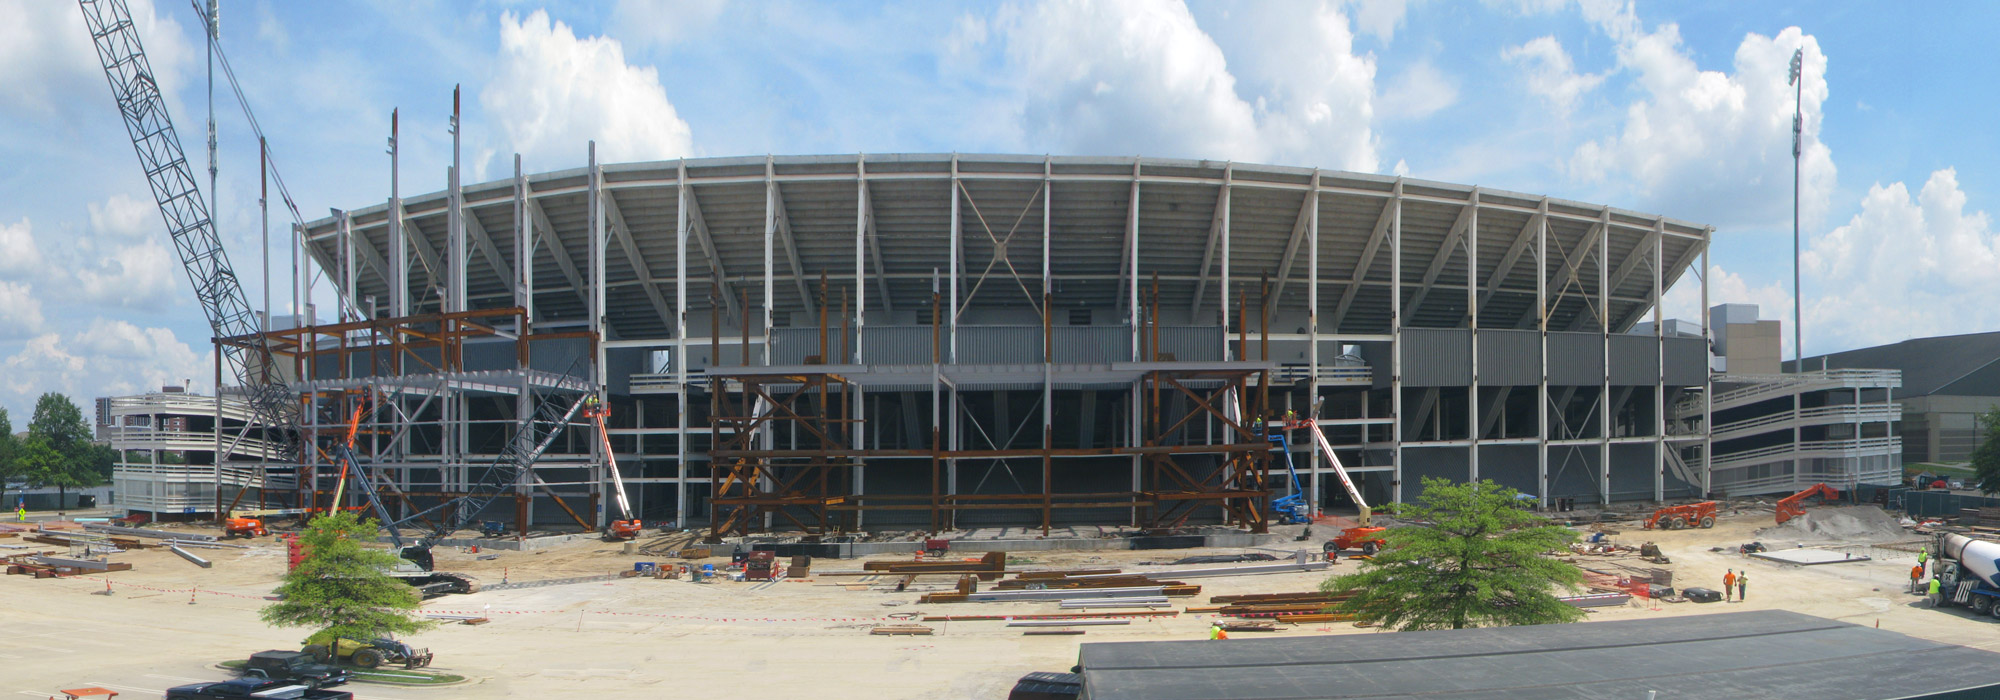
x=178, y=196
x=629, y=527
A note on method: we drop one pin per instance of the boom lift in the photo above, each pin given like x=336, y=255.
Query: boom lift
x=1794, y=505
x=1683, y=516
x=629, y=527
x=1325, y=450
x=1291, y=509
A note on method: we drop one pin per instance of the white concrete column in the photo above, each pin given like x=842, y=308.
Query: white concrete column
x=1542, y=351
x=1396, y=337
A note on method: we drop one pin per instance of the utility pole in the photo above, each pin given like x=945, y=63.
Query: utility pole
x=1798, y=136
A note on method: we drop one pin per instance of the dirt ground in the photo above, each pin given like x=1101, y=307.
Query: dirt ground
x=167, y=622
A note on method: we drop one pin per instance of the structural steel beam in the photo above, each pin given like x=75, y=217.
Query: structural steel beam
x=1567, y=273
x=791, y=247
x=1444, y=253
x=1216, y=225
x=707, y=244
x=875, y=246
x=1368, y=254
x=1298, y=237
x=1522, y=241
x=487, y=249
x=637, y=259
x=546, y=232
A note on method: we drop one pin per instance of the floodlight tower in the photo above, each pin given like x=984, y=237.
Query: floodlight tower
x=1798, y=135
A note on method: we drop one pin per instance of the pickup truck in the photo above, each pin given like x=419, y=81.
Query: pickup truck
x=296, y=666
x=253, y=689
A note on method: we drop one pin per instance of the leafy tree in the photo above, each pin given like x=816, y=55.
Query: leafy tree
x=43, y=466
x=341, y=589
x=10, y=465
x=61, y=423
x=1986, y=458
x=1478, y=563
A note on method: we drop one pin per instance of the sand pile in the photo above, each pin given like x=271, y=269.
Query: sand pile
x=1838, y=524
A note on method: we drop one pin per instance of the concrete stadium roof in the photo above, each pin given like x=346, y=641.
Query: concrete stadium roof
x=907, y=220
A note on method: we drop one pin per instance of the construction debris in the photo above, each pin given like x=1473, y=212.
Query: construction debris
x=1133, y=602
x=1251, y=570
x=190, y=556
x=1059, y=616
x=144, y=532
x=1016, y=596
x=901, y=630
x=1066, y=623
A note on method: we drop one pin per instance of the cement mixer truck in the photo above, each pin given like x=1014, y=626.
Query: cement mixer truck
x=1968, y=572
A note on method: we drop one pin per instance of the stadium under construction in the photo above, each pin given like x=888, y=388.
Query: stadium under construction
x=910, y=341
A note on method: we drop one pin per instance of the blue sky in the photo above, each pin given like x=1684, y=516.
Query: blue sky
x=1674, y=108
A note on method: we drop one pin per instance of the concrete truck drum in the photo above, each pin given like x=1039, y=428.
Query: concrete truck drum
x=1969, y=573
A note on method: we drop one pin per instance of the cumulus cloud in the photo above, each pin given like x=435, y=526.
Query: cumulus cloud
x=123, y=216
x=552, y=92
x=19, y=256
x=1903, y=267
x=20, y=311
x=664, y=22
x=107, y=358
x=52, y=72
x=1419, y=92
x=1380, y=18
x=1138, y=76
x=1550, y=74
x=1692, y=125
x=137, y=276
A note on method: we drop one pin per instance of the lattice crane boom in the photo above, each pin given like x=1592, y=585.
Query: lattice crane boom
x=188, y=220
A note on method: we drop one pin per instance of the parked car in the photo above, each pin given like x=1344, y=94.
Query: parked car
x=299, y=666
x=253, y=688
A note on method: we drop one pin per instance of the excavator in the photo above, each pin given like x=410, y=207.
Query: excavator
x=629, y=527
x=1794, y=505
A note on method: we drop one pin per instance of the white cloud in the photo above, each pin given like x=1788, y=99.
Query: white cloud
x=52, y=72
x=1550, y=73
x=1131, y=77
x=664, y=22
x=107, y=358
x=20, y=311
x=1903, y=267
x=1379, y=17
x=136, y=276
x=1693, y=124
x=1418, y=92
x=19, y=256
x=122, y=216
x=553, y=92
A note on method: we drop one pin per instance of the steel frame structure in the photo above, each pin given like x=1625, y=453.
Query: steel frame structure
x=1388, y=266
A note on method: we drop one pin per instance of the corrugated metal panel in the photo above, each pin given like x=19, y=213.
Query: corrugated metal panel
x=897, y=345
x=1437, y=357
x=1576, y=359
x=1635, y=359
x=1002, y=345
x=1510, y=357
x=1191, y=343
x=1687, y=361
x=1092, y=344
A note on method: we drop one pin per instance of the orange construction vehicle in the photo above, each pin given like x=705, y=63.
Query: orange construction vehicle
x=1794, y=505
x=244, y=527
x=1365, y=538
x=1683, y=516
x=618, y=529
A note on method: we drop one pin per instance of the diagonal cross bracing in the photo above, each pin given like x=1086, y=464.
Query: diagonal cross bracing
x=707, y=243
x=1522, y=241
x=1445, y=251
x=636, y=259
x=487, y=249
x=546, y=232
x=791, y=248
x=1368, y=254
x=1297, y=239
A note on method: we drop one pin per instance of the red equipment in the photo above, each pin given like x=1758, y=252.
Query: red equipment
x=1794, y=505
x=1682, y=516
x=243, y=527
x=1366, y=539
x=618, y=529
x=760, y=566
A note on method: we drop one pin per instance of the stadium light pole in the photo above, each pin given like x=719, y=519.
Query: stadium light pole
x=1798, y=132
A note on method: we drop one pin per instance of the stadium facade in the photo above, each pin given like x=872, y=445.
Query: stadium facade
x=932, y=341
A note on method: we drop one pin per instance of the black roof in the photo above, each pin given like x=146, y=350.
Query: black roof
x=1728, y=656
x=1953, y=365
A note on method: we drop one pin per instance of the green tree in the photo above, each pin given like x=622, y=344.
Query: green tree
x=42, y=466
x=1986, y=458
x=1479, y=562
x=341, y=589
x=10, y=465
x=59, y=424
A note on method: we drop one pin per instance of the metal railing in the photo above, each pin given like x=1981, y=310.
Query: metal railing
x=1843, y=413
x=1851, y=447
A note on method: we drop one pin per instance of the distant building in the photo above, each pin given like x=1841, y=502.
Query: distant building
x=167, y=449
x=1947, y=382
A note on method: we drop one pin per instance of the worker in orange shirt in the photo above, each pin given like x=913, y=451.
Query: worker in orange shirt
x=1916, y=579
x=1728, y=582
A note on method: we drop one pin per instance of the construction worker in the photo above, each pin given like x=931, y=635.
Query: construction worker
x=1728, y=582
x=1923, y=555
x=21, y=513
x=1934, y=598
x=1742, y=582
x=1916, y=578
x=1215, y=631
